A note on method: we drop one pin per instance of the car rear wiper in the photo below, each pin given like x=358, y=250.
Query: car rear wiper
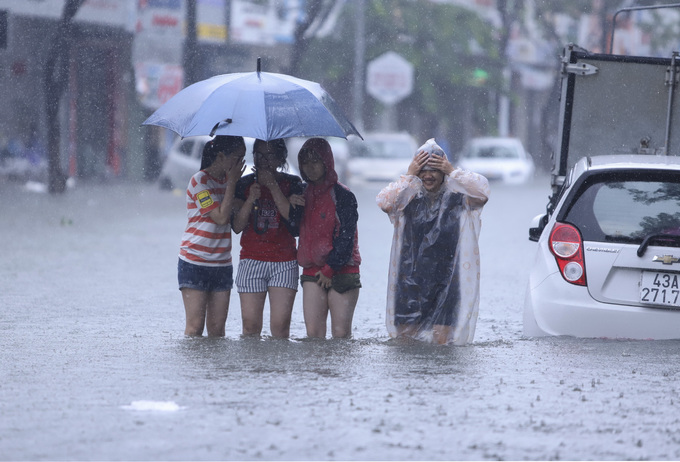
x=666, y=239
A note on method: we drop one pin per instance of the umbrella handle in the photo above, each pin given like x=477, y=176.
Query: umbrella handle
x=255, y=214
x=214, y=129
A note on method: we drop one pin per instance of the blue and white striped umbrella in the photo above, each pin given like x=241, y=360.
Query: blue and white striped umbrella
x=256, y=104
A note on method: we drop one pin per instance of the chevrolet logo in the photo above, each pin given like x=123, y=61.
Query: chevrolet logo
x=666, y=259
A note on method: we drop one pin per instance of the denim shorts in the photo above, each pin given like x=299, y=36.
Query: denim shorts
x=258, y=276
x=205, y=278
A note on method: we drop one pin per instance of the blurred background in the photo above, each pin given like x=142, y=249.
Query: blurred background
x=79, y=76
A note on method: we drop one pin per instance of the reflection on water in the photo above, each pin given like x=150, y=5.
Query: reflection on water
x=312, y=359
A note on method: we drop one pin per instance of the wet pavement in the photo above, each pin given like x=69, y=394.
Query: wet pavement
x=94, y=364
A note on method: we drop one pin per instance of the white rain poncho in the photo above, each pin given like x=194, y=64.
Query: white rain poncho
x=434, y=263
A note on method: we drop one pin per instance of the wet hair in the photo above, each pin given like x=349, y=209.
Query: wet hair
x=311, y=149
x=221, y=143
x=279, y=147
x=307, y=153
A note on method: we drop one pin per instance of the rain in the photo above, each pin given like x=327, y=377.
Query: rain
x=94, y=364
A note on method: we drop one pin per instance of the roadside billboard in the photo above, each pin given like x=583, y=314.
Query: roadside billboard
x=264, y=22
x=117, y=13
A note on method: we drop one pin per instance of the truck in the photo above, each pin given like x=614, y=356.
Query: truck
x=612, y=104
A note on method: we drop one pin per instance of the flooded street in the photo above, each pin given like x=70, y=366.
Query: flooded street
x=94, y=364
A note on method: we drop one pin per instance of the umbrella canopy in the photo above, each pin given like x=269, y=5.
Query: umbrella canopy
x=257, y=104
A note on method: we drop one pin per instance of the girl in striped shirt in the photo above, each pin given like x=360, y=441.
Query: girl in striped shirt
x=204, y=271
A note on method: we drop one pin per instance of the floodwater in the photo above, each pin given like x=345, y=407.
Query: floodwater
x=94, y=364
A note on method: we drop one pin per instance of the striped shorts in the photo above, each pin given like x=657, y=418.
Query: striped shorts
x=257, y=276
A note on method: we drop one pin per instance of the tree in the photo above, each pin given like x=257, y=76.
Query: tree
x=315, y=15
x=538, y=20
x=56, y=78
x=445, y=43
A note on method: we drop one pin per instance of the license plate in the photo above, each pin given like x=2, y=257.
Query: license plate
x=660, y=288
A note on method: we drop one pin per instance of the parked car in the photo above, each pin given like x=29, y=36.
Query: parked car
x=184, y=160
x=608, y=259
x=380, y=157
x=497, y=158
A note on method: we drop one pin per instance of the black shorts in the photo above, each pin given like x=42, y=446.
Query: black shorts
x=340, y=283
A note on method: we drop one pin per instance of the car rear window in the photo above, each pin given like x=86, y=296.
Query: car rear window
x=626, y=208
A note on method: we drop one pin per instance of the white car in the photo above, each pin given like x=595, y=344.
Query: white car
x=184, y=160
x=380, y=157
x=498, y=159
x=608, y=257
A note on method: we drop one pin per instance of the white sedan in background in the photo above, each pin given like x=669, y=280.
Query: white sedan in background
x=380, y=157
x=184, y=160
x=498, y=159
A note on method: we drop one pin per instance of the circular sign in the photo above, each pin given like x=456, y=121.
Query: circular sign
x=389, y=78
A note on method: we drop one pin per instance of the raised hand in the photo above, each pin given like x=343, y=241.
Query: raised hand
x=440, y=163
x=236, y=170
x=254, y=192
x=417, y=163
x=266, y=178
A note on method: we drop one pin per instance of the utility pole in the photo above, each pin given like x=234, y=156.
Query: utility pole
x=359, y=64
x=56, y=79
x=190, y=57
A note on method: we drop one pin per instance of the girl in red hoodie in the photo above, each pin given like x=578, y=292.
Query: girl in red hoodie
x=328, y=249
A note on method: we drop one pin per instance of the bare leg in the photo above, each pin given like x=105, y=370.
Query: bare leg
x=217, y=310
x=281, y=308
x=252, y=307
x=441, y=333
x=315, y=308
x=195, y=302
x=407, y=330
x=342, y=311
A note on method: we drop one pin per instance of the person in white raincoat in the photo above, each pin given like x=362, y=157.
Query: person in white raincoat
x=433, y=284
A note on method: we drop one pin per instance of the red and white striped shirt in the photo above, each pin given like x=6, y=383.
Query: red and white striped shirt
x=205, y=242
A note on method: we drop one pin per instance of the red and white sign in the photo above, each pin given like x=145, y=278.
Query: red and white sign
x=259, y=22
x=389, y=78
x=157, y=83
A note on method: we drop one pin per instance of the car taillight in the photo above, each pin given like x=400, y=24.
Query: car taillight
x=567, y=247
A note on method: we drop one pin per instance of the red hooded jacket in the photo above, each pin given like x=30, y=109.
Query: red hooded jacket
x=328, y=230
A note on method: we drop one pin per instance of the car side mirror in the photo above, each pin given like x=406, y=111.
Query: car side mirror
x=537, y=226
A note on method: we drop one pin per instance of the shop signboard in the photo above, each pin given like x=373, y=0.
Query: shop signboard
x=157, y=83
x=211, y=21
x=117, y=13
x=157, y=51
x=264, y=23
x=162, y=19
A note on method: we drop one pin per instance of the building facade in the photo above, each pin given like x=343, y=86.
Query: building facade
x=126, y=59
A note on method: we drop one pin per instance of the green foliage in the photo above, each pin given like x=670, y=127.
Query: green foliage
x=446, y=44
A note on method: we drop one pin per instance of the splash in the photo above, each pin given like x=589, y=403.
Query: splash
x=165, y=406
